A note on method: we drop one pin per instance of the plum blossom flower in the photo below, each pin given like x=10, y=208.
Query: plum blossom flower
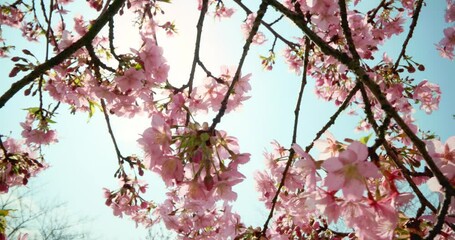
x=328, y=147
x=444, y=157
x=156, y=141
x=450, y=12
x=429, y=94
x=18, y=165
x=259, y=38
x=223, y=12
x=130, y=80
x=41, y=135
x=447, y=45
x=348, y=171
x=306, y=167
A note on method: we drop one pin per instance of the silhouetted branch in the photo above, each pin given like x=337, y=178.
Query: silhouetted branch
x=59, y=58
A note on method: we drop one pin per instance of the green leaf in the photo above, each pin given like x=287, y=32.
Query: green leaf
x=365, y=139
x=50, y=120
x=4, y=212
x=92, y=110
x=205, y=137
x=32, y=110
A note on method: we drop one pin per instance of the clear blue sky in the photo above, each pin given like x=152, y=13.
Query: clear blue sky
x=83, y=162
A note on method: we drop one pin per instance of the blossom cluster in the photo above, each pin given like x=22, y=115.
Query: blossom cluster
x=17, y=164
x=446, y=46
x=349, y=184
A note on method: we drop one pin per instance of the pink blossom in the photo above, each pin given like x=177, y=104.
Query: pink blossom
x=130, y=80
x=150, y=54
x=259, y=38
x=224, y=12
x=444, y=157
x=349, y=170
x=22, y=237
x=266, y=186
x=327, y=204
x=41, y=135
x=328, y=147
x=156, y=140
x=450, y=12
x=429, y=94
x=11, y=16
x=172, y=170
x=80, y=25
x=306, y=168
x=447, y=45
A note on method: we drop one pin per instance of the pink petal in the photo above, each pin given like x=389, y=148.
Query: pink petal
x=360, y=149
x=332, y=164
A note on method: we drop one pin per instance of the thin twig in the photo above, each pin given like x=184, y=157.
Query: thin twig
x=441, y=217
x=375, y=11
x=294, y=135
x=199, y=26
x=95, y=59
x=334, y=116
x=277, y=20
x=111, y=133
x=415, y=17
x=268, y=26
x=209, y=74
x=260, y=14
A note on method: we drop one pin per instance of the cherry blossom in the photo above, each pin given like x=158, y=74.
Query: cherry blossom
x=349, y=171
x=362, y=187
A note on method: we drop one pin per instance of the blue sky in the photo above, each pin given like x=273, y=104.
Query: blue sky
x=83, y=162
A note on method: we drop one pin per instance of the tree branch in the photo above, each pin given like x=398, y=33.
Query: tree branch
x=441, y=217
x=392, y=154
x=334, y=116
x=415, y=17
x=246, y=47
x=361, y=72
x=294, y=135
x=59, y=58
x=111, y=133
x=199, y=26
x=347, y=30
x=268, y=26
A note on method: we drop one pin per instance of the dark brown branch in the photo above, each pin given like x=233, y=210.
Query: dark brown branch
x=111, y=133
x=375, y=11
x=199, y=26
x=111, y=40
x=334, y=116
x=209, y=74
x=302, y=24
x=441, y=217
x=387, y=107
x=294, y=135
x=2, y=147
x=381, y=130
x=361, y=72
x=347, y=30
x=95, y=59
x=268, y=26
x=391, y=153
x=59, y=58
x=260, y=14
x=368, y=112
x=415, y=17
